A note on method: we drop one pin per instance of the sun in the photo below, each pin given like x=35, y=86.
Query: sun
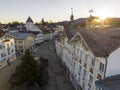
x=103, y=15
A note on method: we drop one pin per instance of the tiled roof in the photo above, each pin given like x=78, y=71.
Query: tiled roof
x=44, y=30
x=14, y=28
x=110, y=83
x=101, y=42
x=29, y=20
x=20, y=35
x=33, y=32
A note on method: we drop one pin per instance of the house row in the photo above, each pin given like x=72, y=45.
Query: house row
x=17, y=39
x=41, y=32
x=89, y=56
x=14, y=43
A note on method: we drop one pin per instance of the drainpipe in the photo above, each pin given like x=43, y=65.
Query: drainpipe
x=106, y=65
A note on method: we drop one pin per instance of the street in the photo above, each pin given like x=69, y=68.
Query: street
x=57, y=79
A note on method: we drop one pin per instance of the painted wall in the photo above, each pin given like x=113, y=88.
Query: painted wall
x=113, y=66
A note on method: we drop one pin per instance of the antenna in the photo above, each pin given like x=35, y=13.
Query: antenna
x=91, y=11
x=72, y=11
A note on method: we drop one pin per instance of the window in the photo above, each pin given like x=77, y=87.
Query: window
x=89, y=86
x=0, y=46
x=79, y=79
x=11, y=43
x=86, y=57
x=7, y=45
x=20, y=41
x=83, y=86
x=81, y=54
x=20, y=46
x=90, y=79
x=101, y=67
x=84, y=73
x=2, y=55
x=8, y=52
x=92, y=61
x=80, y=68
x=12, y=50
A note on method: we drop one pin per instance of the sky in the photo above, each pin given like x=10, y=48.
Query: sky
x=55, y=10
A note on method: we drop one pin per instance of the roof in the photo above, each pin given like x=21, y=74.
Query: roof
x=33, y=32
x=44, y=30
x=110, y=83
x=29, y=20
x=2, y=34
x=20, y=35
x=14, y=28
x=6, y=40
x=101, y=42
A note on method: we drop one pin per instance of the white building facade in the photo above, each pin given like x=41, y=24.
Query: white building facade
x=7, y=50
x=85, y=60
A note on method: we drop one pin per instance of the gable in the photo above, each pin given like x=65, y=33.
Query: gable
x=78, y=39
x=113, y=66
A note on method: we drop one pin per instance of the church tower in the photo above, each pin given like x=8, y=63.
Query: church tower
x=29, y=24
x=72, y=19
x=72, y=16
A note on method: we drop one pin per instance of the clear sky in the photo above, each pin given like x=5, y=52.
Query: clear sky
x=55, y=10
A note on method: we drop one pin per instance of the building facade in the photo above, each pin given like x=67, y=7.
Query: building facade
x=86, y=56
x=23, y=41
x=7, y=50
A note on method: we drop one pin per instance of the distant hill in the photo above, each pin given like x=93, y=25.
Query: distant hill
x=77, y=21
x=80, y=20
x=113, y=21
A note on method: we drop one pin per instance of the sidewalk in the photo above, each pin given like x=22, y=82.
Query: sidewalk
x=6, y=72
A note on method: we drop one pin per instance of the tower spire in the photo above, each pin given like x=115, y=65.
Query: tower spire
x=71, y=11
x=72, y=16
